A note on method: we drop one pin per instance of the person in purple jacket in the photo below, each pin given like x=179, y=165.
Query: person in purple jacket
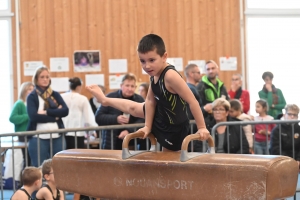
x=45, y=109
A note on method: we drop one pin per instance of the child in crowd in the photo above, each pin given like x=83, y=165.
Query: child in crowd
x=236, y=111
x=32, y=181
x=262, y=131
x=49, y=191
x=165, y=105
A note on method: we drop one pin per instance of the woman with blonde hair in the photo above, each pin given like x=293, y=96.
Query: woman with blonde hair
x=45, y=109
x=19, y=116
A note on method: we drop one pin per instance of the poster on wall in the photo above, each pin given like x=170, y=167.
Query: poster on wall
x=177, y=63
x=117, y=66
x=228, y=63
x=94, y=79
x=30, y=67
x=87, y=61
x=60, y=64
x=115, y=81
x=200, y=64
x=60, y=84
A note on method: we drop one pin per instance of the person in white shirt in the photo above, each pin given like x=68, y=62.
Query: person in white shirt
x=80, y=114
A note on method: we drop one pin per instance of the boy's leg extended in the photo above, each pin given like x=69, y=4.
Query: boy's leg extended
x=126, y=106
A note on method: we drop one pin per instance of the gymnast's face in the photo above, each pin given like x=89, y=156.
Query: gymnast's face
x=152, y=63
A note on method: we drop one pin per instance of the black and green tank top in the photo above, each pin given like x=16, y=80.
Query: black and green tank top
x=170, y=108
x=57, y=193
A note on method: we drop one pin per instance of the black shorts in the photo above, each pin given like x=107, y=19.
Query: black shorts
x=168, y=135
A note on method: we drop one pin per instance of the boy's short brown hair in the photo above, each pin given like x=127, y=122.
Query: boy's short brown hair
x=46, y=166
x=30, y=175
x=236, y=105
x=152, y=42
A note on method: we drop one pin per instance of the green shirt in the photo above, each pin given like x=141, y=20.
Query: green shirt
x=274, y=112
x=19, y=116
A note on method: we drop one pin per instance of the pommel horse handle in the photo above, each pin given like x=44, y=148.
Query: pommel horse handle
x=139, y=134
x=185, y=156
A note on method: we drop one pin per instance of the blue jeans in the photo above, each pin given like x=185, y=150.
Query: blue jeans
x=261, y=148
x=57, y=145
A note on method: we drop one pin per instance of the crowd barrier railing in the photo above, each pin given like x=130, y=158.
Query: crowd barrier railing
x=15, y=144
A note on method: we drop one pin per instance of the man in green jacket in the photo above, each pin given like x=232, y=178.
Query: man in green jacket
x=211, y=87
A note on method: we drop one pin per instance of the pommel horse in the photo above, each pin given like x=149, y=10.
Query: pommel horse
x=116, y=174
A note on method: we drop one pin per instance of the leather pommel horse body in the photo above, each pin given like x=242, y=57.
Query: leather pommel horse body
x=174, y=175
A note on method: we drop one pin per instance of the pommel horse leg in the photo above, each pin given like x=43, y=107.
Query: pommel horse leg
x=151, y=175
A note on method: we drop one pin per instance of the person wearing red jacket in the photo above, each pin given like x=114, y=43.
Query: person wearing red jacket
x=236, y=92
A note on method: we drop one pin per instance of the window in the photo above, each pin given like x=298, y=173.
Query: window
x=6, y=80
x=273, y=4
x=273, y=44
x=4, y=5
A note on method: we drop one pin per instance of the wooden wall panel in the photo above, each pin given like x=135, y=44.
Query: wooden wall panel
x=191, y=29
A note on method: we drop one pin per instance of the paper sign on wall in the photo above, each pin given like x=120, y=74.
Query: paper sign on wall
x=117, y=66
x=59, y=64
x=115, y=81
x=200, y=64
x=91, y=79
x=228, y=63
x=60, y=84
x=177, y=63
x=30, y=67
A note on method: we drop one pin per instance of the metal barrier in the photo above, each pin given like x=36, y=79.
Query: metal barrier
x=113, y=127
x=16, y=145
x=243, y=123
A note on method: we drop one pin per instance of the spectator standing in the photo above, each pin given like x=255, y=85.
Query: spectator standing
x=45, y=109
x=237, y=92
x=80, y=114
x=262, y=131
x=211, y=87
x=19, y=116
x=272, y=95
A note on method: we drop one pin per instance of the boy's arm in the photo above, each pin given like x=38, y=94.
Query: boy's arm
x=177, y=85
x=150, y=105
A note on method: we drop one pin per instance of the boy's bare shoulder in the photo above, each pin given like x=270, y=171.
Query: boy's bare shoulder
x=43, y=193
x=172, y=75
x=19, y=195
x=62, y=196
